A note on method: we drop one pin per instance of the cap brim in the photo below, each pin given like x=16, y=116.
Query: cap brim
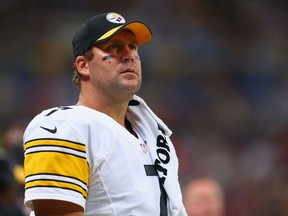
x=142, y=32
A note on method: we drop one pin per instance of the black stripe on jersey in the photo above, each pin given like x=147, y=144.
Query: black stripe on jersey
x=51, y=174
x=60, y=143
x=49, y=139
x=61, y=152
x=56, y=146
x=56, y=187
x=163, y=201
x=150, y=170
x=54, y=180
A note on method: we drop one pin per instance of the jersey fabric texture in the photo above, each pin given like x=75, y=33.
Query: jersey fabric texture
x=80, y=155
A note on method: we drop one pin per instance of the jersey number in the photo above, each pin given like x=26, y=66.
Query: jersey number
x=151, y=171
x=58, y=108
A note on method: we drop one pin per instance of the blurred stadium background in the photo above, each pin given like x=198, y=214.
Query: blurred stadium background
x=216, y=72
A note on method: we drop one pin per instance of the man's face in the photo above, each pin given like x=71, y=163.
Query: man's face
x=116, y=67
x=204, y=198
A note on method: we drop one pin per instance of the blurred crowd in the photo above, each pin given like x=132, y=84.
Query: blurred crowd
x=216, y=72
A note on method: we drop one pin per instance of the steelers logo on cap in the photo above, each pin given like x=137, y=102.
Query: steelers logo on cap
x=115, y=18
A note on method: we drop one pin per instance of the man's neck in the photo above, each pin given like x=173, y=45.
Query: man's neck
x=115, y=109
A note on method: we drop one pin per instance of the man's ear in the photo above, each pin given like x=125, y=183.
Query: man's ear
x=82, y=66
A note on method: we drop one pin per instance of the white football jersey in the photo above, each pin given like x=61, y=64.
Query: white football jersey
x=80, y=155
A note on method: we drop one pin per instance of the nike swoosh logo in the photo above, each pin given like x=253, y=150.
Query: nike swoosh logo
x=53, y=131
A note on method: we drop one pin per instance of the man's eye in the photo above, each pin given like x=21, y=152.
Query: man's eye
x=112, y=47
x=133, y=46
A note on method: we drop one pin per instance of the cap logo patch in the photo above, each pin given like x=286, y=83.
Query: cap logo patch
x=115, y=18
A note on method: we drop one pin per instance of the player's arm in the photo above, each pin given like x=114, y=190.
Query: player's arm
x=55, y=166
x=56, y=208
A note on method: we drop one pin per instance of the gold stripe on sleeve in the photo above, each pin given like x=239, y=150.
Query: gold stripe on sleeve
x=56, y=184
x=57, y=163
x=55, y=142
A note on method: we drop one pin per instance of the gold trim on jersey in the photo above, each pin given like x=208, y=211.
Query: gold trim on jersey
x=54, y=159
x=56, y=142
x=56, y=184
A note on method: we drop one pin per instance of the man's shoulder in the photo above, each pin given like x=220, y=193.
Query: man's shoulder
x=72, y=116
x=69, y=113
x=64, y=122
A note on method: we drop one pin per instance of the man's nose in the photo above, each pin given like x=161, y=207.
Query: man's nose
x=127, y=54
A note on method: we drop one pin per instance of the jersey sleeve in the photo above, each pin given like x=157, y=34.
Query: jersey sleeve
x=55, y=162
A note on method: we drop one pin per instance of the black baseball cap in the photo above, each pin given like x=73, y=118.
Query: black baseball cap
x=103, y=27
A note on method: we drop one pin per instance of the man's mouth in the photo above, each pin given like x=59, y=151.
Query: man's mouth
x=129, y=70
